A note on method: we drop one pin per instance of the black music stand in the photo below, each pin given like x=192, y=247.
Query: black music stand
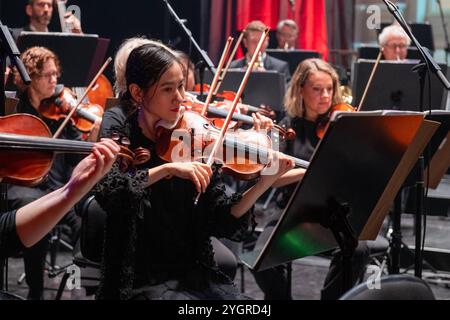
x=292, y=57
x=347, y=189
x=394, y=86
x=437, y=154
x=263, y=87
x=75, y=51
x=368, y=51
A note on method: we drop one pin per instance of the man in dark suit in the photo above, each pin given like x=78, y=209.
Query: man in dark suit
x=252, y=35
x=40, y=14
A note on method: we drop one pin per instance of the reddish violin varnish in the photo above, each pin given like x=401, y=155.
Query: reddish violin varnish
x=27, y=150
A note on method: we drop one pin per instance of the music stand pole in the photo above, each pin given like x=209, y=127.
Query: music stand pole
x=396, y=236
x=345, y=236
x=206, y=61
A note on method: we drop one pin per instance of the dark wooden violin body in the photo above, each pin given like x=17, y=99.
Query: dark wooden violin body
x=63, y=102
x=27, y=150
x=243, y=154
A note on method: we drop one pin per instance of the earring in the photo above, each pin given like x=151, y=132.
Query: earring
x=300, y=105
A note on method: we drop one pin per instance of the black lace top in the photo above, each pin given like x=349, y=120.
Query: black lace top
x=155, y=234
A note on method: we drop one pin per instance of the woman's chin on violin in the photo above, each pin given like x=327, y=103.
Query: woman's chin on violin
x=162, y=101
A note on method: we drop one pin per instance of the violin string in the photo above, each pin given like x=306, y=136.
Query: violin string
x=24, y=141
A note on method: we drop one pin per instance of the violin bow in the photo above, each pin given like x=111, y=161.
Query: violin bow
x=88, y=89
x=369, y=82
x=225, y=52
x=230, y=59
x=219, y=141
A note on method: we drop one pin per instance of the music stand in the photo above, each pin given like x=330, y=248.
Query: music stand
x=362, y=177
x=394, y=86
x=293, y=57
x=99, y=57
x=263, y=87
x=367, y=51
x=75, y=52
x=437, y=154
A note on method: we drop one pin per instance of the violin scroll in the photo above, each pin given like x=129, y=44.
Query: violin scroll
x=130, y=158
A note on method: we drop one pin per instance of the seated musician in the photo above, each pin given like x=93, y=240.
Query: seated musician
x=40, y=14
x=252, y=35
x=44, y=70
x=24, y=227
x=287, y=34
x=314, y=89
x=394, y=43
x=117, y=115
x=155, y=247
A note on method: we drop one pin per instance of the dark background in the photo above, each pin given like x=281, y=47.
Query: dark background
x=118, y=20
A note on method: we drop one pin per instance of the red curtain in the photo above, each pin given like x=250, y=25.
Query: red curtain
x=230, y=15
x=309, y=15
x=311, y=19
x=268, y=11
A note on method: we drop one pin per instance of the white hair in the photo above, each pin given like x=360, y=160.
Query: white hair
x=392, y=30
x=287, y=22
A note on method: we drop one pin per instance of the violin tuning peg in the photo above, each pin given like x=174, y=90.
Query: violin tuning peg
x=115, y=136
x=125, y=141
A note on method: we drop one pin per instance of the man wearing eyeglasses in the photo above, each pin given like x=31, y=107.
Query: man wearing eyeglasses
x=287, y=34
x=394, y=43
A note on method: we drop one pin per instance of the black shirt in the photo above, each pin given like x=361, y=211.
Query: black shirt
x=9, y=240
x=155, y=234
x=306, y=139
x=302, y=147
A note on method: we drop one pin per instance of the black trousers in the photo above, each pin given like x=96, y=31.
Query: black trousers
x=34, y=257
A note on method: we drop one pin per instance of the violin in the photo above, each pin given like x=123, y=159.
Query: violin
x=63, y=102
x=323, y=125
x=325, y=122
x=228, y=96
x=27, y=150
x=101, y=91
x=219, y=111
x=244, y=154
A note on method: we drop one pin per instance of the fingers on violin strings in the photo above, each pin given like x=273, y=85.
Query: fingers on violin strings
x=105, y=151
x=99, y=157
x=256, y=122
x=204, y=174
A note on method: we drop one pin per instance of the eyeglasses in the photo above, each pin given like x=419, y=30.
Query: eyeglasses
x=401, y=46
x=48, y=75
